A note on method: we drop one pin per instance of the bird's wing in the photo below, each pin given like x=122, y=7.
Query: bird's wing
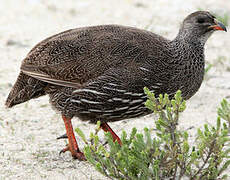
x=50, y=80
x=117, y=94
x=129, y=80
x=74, y=57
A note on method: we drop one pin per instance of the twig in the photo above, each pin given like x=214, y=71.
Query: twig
x=205, y=161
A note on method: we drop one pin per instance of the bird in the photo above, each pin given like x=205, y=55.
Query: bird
x=97, y=73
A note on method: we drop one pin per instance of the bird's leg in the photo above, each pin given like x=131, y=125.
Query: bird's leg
x=106, y=128
x=72, y=146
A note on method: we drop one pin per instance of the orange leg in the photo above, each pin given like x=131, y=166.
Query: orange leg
x=72, y=146
x=106, y=128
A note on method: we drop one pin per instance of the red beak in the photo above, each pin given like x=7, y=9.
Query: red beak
x=218, y=26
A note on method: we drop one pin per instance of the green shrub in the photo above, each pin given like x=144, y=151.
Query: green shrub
x=164, y=152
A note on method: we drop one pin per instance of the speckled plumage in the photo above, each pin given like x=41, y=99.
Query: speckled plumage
x=98, y=72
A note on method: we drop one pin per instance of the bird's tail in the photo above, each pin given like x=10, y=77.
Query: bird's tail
x=24, y=89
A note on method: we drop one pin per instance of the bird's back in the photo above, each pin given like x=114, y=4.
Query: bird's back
x=82, y=54
x=76, y=56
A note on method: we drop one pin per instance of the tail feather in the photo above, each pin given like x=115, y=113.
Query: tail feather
x=24, y=89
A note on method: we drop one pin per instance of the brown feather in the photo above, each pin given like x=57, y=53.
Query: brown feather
x=99, y=72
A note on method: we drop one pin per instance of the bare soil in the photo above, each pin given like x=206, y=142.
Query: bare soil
x=28, y=145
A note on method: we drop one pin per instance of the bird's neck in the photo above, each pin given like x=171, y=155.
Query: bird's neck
x=186, y=49
x=189, y=39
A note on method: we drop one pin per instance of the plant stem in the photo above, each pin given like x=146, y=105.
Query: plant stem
x=205, y=161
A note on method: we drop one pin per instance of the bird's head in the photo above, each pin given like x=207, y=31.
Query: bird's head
x=200, y=25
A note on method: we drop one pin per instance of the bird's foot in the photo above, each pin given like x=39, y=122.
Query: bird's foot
x=76, y=153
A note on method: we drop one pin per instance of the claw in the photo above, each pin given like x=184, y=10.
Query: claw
x=80, y=156
x=64, y=150
x=76, y=154
x=64, y=136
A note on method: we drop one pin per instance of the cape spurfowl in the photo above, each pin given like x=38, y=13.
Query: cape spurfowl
x=98, y=73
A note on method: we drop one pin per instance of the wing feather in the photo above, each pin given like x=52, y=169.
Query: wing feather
x=75, y=57
x=47, y=78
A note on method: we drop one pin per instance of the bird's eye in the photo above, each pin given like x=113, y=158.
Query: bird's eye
x=200, y=20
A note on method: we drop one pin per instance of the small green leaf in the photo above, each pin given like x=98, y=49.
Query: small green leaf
x=81, y=134
x=185, y=147
x=218, y=124
x=98, y=124
x=185, y=135
x=225, y=166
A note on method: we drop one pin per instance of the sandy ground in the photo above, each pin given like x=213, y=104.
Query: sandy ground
x=28, y=145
